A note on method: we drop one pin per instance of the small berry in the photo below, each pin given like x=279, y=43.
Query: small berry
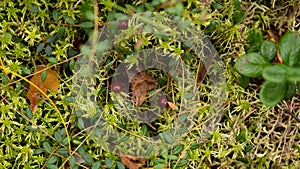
x=162, y=101
x=116, y=87
x=123, y=24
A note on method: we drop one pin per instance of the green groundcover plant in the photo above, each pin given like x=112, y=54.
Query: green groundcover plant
x=281, y=80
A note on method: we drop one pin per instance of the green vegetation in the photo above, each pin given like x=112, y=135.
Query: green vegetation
x=249, y=134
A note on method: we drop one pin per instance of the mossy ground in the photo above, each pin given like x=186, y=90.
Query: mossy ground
x=249, y=135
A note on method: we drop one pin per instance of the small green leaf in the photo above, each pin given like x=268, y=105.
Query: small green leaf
x=72, y=53
x=57, y=137
x=248, y=148
x=37, y=151
x=108, y=162
x=40, y=47
x=289, y=48
x=96, y=165
x=293, y=74
x=50, y=39
x=242, y=136
x=52, y=60
x=72, y=64
x=290, y=90
x=68, y=19
x=25, y=70
x=44, y=76
x=89, y=14
x=168, y=137
x=272, y=93
x=182, y=163
x=120, y=165
x=47, y=147
x=28, y=112
x=86, y=24
x=52, y=166
x=55, y=15
x=65, y=141
x=52, y=159
x=243, y=160
x=32, y=128
x=172, y=157
x=61, y=32
x=80, y=123
x=275, y=73
x=34, y=9
x=144, y=130
x=18, y=86
x=48, y=50
x=88, y=158
x=63, y=151
x=72, y=161
x=211, y=27
x=69, y=99
x=194, y=146
x=268, y=49
x=251, y=64
x=178, y=149
x=243, y=81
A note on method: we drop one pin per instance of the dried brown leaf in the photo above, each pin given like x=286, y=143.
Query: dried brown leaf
x=132, y=162
x=140, y=83
x=50, y=83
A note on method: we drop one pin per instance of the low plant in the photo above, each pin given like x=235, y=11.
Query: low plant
x=281, y=73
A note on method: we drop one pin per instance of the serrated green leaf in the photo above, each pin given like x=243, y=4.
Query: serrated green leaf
x=108, y=162
x=251, y=64
x=47, y=147
x=96, y=165
x=272, y=93
x=86, y=24
x=55, y=15
x=275, y=73
x=44, y=76
x=40, y=47
x=289, y=48
x=28, y=112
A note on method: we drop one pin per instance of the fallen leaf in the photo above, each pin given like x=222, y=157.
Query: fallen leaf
x=172, y=106
x=51, y=82
x=132, y=162
x=140, y=84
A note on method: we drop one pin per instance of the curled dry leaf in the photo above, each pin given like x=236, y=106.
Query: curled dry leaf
x=51, y=82
x=140, y=83
x=132, y=162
